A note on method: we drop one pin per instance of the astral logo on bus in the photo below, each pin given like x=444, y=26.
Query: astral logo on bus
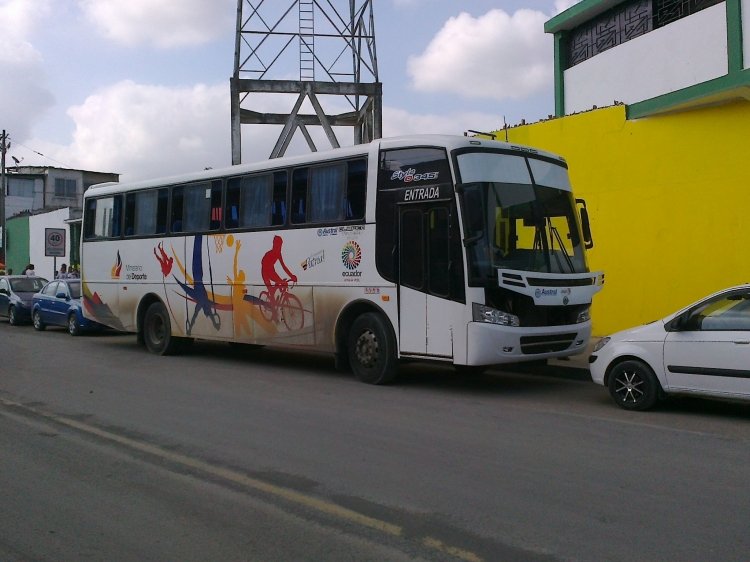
x=545, y=293
x=328, y=231
x=351, y=256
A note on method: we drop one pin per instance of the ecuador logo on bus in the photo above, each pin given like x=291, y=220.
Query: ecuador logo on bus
x=351, y=256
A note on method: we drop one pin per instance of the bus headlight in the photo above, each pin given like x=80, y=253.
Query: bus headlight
x=584, y=316
x=493, y=316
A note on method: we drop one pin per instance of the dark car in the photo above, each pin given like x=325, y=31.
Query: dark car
x=15, y=296
x=59, y=304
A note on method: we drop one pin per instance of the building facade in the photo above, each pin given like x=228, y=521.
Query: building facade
x=41, y=197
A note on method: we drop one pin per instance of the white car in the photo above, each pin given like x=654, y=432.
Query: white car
x=703, y=349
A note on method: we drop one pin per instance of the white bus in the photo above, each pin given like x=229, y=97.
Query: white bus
x=446, y=248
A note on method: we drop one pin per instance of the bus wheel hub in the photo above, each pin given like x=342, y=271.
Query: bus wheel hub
x=367, y=349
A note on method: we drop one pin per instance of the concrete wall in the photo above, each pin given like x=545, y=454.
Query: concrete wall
x=17, y=252
x=684, y=53
x=668, y=199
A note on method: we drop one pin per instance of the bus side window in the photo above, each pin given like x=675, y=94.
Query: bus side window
x=129, y=214
x=216, y=209
x=232, y=205
x=327, y=193
x=178, y=198
x=161, y=211
x=356, y=190
x=299, y=196
x=103, y=218
x=278, y=209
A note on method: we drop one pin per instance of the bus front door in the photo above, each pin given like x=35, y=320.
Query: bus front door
x=424, y=260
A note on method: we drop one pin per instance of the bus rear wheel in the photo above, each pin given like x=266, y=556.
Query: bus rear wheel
x=157, y=331
x=372, y=349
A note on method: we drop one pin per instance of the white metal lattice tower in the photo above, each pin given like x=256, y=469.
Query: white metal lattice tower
x=337, y=66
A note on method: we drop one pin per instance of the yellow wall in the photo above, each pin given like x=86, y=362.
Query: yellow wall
x=669, y=202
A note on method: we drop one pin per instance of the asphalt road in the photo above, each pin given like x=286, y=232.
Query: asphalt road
x=110, y=453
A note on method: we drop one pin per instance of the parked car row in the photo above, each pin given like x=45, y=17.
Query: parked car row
x=44, y=303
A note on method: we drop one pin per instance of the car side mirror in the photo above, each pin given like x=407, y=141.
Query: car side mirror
x=62, y=296
x=4, y=292
x=688, y=321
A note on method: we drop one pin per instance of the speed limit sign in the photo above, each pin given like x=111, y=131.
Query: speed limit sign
x=54, y=242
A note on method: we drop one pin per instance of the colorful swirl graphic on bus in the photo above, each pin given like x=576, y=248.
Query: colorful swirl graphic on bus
x=351, y=255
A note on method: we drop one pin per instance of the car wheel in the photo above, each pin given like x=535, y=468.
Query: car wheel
x=74, y=328
x=157, y=331
x=633, y=385
x=372, y=349
x=12, y=316
x=37, y=319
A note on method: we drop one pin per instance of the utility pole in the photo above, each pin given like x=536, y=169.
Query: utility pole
x=4, y=146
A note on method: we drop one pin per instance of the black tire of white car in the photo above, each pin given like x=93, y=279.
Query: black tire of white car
x=633, y=385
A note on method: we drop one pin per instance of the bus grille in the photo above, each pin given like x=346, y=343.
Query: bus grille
x=546, y=344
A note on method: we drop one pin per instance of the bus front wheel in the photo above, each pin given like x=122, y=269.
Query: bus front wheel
x=157, y=331
x=372, y=349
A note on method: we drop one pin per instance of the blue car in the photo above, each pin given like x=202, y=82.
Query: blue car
x=59, y=304
x=15, y=296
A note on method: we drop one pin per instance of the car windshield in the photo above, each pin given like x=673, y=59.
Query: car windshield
x=518, y=213
x=27, y=284
x=75, y=289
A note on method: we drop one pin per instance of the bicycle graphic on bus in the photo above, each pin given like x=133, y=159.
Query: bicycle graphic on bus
x=283, y=306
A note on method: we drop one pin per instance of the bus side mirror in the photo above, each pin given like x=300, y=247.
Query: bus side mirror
x=588, y=240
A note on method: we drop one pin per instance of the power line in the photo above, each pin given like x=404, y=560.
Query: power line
x=42, y=155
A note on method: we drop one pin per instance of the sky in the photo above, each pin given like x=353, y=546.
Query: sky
x=141, y=87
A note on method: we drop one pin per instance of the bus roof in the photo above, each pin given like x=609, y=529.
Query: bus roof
x=449, y=142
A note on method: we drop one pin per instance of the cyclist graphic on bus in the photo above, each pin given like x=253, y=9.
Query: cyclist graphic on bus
x=292, y=313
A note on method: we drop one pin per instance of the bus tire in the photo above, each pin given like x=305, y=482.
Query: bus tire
x=157, y=331
x=372, y=349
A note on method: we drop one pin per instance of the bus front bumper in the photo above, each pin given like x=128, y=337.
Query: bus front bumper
x=491, y=344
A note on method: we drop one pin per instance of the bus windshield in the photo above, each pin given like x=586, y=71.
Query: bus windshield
x=518, y=216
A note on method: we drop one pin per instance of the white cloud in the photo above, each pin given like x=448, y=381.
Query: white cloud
x=149, y=131
x=164, y=23
x=24, y=96
x=397, y=122
x=495, y=56
x=144, y=131
x=562, y=5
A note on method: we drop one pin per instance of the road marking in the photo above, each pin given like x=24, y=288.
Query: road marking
x=235, y=477
x=452, y=550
